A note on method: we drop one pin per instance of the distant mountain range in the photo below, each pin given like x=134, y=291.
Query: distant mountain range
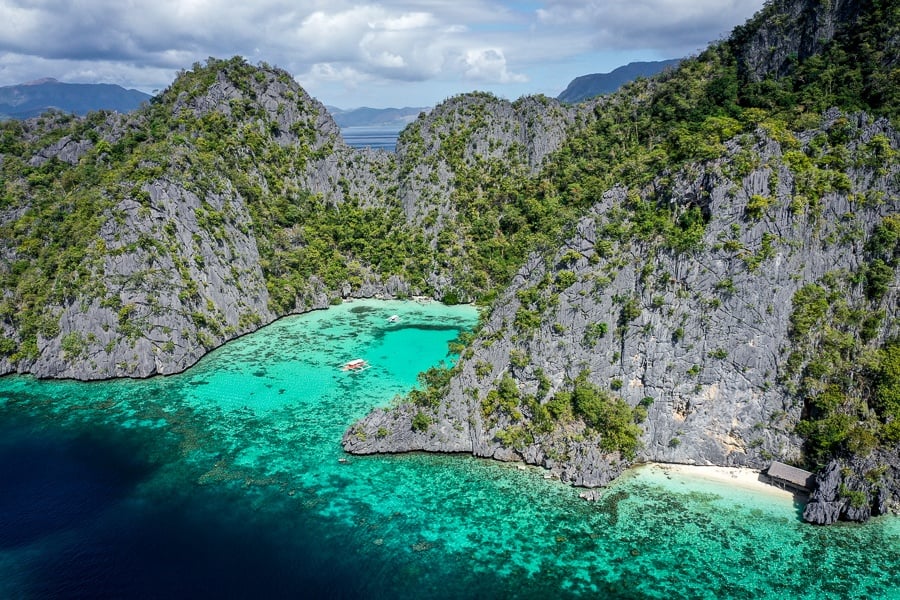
x=589, y=86
x=26, y=100
x=376, y=117
x=581, y=88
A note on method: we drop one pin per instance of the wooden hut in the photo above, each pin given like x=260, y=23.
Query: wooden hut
x=786, y=476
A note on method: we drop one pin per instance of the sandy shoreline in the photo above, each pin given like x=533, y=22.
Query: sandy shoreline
x=737, y=477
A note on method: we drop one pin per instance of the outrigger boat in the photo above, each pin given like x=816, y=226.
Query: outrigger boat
x=357, y=364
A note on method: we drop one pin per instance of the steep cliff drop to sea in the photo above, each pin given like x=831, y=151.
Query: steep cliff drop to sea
x=700, y=268
x=726, y=292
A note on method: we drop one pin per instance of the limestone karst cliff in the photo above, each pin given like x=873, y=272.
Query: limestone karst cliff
x=701, y=267
x=130, y=250
x=699, y=342
x=133, y=244
x=733, y=303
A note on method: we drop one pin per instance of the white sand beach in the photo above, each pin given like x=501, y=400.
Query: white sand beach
x=735, y=477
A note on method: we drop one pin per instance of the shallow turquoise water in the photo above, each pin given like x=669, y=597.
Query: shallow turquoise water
x=226, y=481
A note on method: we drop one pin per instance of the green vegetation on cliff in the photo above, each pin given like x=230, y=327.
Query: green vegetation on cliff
x=300, y=235
x=52, y=242
x=461, y=207
x=849, y=381
x=856, y=70
x=842, y=365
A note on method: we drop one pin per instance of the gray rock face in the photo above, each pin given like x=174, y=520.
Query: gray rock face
x=705, y=341
x=823, y=513
x=771, y=46
x=172, y=290
x=391, y=431
x=855, y=489
x=67, y=150
x=467, y=142
x=469, y=130
x=45, y=132
x=823, y=507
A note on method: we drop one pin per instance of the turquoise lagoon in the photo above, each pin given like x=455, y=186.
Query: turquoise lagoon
x=227, y=481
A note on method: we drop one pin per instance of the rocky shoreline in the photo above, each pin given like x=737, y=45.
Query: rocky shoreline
x=704, y=345
x=831, y=500
x=52, y=364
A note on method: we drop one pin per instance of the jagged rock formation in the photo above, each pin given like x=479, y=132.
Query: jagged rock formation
x=449, y=160
x=474, y=133
x=146, y=321
x=203, y=228
x=702, y=335
x=786, y=32
x=853, y=489
x=681, y=272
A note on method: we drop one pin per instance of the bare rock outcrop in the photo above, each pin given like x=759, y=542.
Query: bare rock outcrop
x=699, y=337
x=855, y=489
x=770, y=47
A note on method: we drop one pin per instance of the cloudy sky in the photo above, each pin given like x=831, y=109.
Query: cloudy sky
x=349, y=54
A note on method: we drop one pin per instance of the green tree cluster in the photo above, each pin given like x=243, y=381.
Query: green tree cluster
x=847, y=378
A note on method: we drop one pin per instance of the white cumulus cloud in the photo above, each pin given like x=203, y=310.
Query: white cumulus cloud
x=388, y=44
x=676, y=25
x=489, y=64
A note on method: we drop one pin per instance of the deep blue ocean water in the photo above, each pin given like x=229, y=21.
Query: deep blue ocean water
x=226, y=482
x=376, y=137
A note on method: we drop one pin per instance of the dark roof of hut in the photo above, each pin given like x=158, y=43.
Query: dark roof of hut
x=792, y=475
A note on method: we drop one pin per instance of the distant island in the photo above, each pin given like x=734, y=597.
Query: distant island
x=26, y=100
x=589, y=86
x=376, y=117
